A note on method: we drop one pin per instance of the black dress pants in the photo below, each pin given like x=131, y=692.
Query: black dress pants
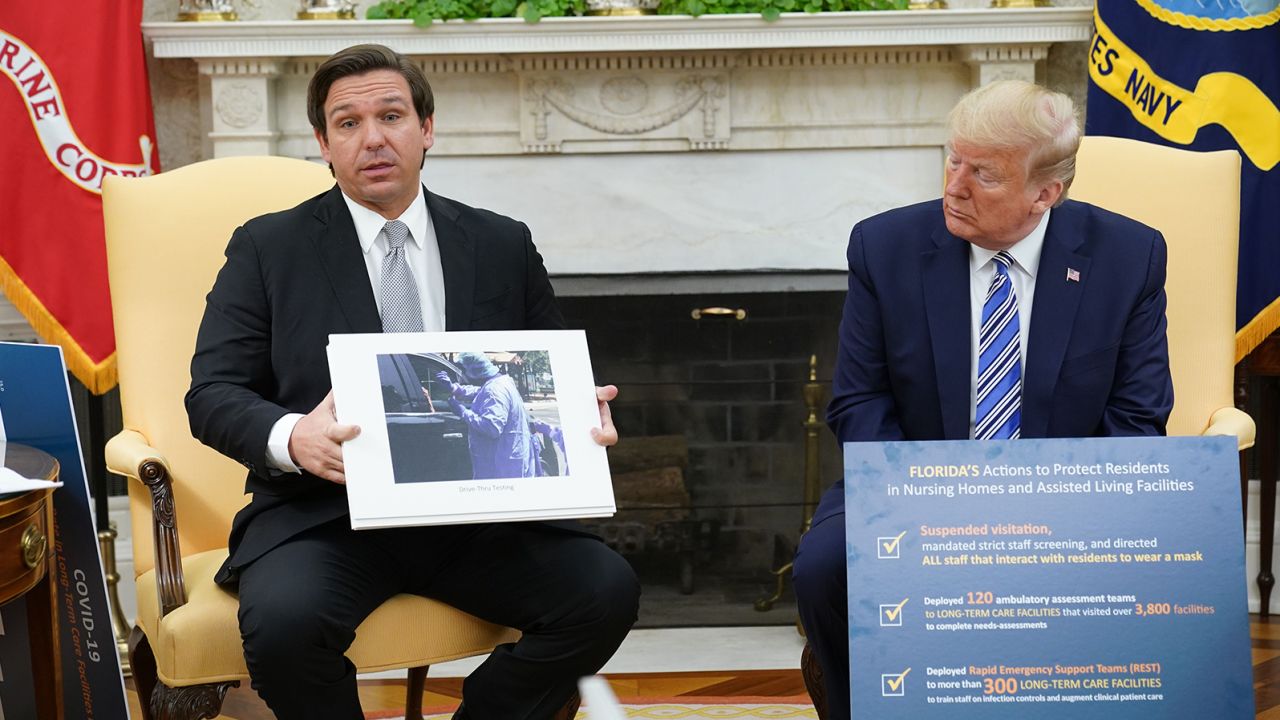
x=572, y=597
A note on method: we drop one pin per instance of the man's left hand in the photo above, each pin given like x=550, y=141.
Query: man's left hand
x=606, y=434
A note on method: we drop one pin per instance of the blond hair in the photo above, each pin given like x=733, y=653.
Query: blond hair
x=1018, y=115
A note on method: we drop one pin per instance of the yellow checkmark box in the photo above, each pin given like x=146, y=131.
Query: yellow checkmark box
x=893, y=612
x=889, y=545
x=895, y=682
x=893, y=685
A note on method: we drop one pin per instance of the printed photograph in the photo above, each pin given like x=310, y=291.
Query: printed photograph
x=472, y=416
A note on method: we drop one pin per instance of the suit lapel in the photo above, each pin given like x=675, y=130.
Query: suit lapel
x=338, y=248
x=1053, y=315
x=458, y=261
x=946, y=292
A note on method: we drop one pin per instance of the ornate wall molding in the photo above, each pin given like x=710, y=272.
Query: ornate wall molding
x=240, y=67
x=636, y=63
x=840, y=58
x=239, y=105
x=596, y=109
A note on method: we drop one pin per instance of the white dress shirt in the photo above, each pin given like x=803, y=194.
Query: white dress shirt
x=423, y=255
x=1026, y=260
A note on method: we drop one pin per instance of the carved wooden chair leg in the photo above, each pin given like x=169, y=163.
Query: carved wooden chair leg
x=812, y=673
x=413, y=695
x=195, y=702
x=570, y=709
x=143, y=662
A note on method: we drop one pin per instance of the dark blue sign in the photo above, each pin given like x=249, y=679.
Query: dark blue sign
x=1047, y=579
x=35, y=410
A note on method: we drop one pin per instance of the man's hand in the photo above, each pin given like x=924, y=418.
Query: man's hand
x=316, y=442
x=606, y=434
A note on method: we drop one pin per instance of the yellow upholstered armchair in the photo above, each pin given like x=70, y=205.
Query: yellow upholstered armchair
x=165, y=240
x=1193, y=199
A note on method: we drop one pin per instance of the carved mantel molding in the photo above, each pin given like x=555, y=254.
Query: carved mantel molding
x=648, y=145
x=630, y=84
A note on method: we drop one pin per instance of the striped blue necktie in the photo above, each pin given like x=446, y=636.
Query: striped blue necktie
x=999, y=396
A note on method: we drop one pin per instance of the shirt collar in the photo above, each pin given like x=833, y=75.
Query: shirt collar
x=1025, y=252
x=369, y=223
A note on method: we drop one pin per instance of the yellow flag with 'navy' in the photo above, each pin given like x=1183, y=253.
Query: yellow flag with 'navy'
x=1202, y=76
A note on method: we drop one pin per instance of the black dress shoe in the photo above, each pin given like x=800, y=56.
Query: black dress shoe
x=461, y=713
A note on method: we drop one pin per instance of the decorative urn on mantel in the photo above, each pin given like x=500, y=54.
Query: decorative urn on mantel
x=206, y=10
x=622, y=7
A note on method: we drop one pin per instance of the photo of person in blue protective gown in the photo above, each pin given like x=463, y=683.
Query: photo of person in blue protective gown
x=471, y=416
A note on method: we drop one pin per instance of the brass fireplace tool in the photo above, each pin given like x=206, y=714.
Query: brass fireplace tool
x=812, y=476
x=107, y=546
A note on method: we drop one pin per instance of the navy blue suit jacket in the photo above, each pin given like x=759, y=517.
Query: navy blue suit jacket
x=1097, y=361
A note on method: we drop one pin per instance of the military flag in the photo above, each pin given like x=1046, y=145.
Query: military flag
x=1202, y=75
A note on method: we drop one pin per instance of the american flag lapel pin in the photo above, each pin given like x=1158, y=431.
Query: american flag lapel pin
x=1073, y=275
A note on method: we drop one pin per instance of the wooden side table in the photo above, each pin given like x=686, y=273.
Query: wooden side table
x=28, y=567
x=1264, y=364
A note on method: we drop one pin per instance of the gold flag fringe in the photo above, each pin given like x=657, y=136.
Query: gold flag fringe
x=98, y=377
x=1256, y=330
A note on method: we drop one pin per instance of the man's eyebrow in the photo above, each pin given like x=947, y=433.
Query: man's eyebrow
x=389, y=100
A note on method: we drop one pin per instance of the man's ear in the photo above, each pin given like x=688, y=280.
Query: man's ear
x=428, y=132
x=324, y=146
x=1048, y=196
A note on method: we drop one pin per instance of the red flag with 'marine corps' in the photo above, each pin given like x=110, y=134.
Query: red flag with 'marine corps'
x=77, y=108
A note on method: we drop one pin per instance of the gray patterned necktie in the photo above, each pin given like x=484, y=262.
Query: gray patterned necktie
x=401, y=309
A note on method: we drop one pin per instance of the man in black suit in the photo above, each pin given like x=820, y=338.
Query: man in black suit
x=379, y=253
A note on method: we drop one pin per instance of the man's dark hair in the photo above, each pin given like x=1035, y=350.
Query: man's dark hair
x=358, y=60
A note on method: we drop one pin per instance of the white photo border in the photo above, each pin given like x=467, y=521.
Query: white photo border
x=376, y=500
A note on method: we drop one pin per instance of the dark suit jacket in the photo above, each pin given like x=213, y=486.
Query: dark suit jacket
x=1097, y=359
x=292, y=278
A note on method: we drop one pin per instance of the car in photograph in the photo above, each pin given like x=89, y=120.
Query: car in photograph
x=428, y=440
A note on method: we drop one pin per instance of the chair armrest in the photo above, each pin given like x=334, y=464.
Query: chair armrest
x=129, y=454
x=1232, y=421
x=128, y=451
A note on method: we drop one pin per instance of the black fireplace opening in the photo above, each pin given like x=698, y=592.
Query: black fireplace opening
x=709, y=473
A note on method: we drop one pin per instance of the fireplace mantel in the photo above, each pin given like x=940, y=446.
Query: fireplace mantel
x=659, y=33
x=712, y=146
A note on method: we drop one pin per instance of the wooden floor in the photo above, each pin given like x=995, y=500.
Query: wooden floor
x=1265, y=634
x=243, y=704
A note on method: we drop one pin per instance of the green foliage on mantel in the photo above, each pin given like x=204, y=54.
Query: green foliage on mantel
x=424, y=12
x=772, y=9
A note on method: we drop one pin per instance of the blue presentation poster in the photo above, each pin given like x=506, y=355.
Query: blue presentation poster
x=35, y=410
x=1046, y=579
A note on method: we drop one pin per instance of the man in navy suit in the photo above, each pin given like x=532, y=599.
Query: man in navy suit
x=260, y=393
x=1080, y=291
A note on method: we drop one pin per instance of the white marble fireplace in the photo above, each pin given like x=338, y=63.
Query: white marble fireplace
x=726, y=147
